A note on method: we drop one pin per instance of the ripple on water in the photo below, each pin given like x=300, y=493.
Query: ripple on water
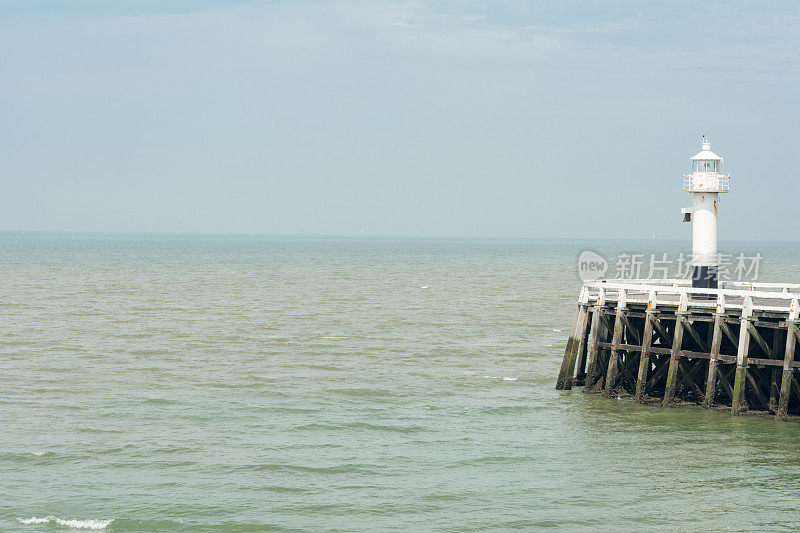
x=347, y=468
x=369, y=426
x=367, y=393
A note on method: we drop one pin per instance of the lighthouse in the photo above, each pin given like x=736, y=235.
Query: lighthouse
x=621, y=325
x=705, y=183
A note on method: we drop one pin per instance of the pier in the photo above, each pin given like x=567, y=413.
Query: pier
x=667, y=343
x=704, y=341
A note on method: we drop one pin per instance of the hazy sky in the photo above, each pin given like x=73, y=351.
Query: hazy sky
x=503, y=119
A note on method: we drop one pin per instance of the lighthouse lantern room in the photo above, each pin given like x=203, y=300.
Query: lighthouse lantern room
x=705, y=183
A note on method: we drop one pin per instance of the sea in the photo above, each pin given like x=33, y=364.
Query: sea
x=219, y=383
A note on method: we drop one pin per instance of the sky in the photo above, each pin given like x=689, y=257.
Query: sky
x=471, y=118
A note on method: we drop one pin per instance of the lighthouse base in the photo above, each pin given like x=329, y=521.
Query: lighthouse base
x=704, y=277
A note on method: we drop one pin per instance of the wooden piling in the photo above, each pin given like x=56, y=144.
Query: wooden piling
x=740, y=381
x=711, y=380
x=591, y=358
x=675, y=352
x=580, y=369
x=616, y=339
x=564, y=375
x=775, y=373
x=788, y=361
x=644, y=360
x=674, y=360
x=578, y=346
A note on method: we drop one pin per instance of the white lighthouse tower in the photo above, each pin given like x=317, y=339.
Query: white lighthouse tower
x=706, y=182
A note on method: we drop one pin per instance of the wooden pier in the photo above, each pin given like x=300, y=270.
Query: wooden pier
x=664, y=342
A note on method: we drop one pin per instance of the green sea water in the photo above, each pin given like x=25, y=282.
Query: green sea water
x=221, y=383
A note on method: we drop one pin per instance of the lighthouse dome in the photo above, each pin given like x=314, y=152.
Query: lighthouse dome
x=705, y=153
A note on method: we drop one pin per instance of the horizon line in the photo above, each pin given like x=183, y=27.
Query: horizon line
x=367, y=236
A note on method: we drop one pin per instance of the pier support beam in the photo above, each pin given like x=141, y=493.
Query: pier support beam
x=591, y=357
x=577, y=346
x=575, y=343
x=580, y=370
x=788, y=358
x=675, y=354
x=775, y=374
x=738, y=403
x=598, y=321
x=647, y=341
x=616, y=340
x=788, y=371
x=716, y=342
x=564, y=374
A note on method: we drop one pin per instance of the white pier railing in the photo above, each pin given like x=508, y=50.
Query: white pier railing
x=748, y=297
x=684, y=282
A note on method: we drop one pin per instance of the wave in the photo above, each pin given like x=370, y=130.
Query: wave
x=152, y=351
x=504, y=378
x=40, y=457
x=508, y=409
x=76, y=524
x=99, y=430
x=361, y=392
x=363, y=425
x=348, y=468
x=162, y=401
x=495, y=459
x=315, y=367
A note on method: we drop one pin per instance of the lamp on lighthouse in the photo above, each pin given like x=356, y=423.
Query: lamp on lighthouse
x=705, y=183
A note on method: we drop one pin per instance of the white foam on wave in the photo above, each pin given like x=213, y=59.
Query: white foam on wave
x=76, y=524
x=504, y=378
x=557, y=330
x=334, y=338
x=33, y=520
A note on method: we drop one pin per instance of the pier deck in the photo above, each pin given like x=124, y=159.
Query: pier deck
x=664, y=342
